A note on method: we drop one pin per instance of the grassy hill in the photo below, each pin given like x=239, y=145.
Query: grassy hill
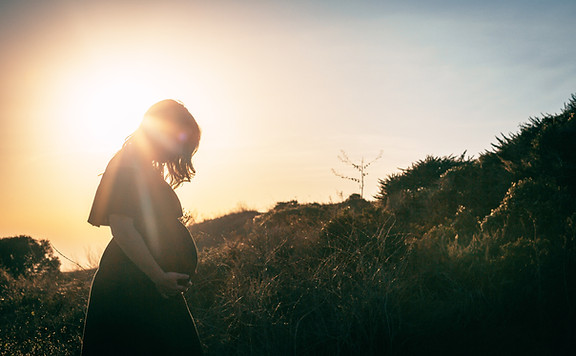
x=457, y=255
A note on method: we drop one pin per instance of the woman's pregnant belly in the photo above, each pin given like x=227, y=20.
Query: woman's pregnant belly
x=172, y=247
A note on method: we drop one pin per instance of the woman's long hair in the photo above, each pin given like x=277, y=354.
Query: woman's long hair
x=177, y=169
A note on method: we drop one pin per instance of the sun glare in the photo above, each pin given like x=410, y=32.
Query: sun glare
x=104, y=109
x=98, y=106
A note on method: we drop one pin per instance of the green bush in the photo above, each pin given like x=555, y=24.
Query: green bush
x=531, y=209
x=25, y=256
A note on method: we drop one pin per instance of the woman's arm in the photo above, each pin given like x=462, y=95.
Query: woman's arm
x=132, y=243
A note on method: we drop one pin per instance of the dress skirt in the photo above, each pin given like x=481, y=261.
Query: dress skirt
x=127, y=316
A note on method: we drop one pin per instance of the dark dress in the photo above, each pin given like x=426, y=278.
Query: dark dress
x=126, y=314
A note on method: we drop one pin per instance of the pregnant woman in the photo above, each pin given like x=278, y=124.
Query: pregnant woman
x=136, y=304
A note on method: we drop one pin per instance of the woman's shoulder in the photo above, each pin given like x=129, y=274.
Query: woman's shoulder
x=128, y=164
x=124, y=160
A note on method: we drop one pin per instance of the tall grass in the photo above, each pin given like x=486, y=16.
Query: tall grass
x=42, y=315
x=351, y=284
x=339, y=279
x=292, y=290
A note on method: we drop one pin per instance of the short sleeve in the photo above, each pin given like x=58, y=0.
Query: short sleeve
x=116, y=194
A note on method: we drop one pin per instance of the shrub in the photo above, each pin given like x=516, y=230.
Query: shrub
x=531, y=209
x=25, y=256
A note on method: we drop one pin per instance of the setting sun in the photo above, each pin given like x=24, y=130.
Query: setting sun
x=103, y=107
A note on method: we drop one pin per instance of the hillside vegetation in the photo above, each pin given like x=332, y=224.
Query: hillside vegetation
x=457, y=255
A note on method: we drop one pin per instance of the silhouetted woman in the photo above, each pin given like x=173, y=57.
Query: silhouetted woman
x=136, y=304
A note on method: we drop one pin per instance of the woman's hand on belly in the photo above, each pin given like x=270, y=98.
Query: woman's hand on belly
x=170, y=283
x=132, y=243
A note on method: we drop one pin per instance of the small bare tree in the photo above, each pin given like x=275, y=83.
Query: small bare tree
x=360, y=167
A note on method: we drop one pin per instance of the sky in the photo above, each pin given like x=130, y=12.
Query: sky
x=279, y=89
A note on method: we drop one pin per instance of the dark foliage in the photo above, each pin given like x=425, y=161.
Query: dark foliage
x=43, y=314
x=25, y=256
x=418, y=196
x=213, y=232
x=544, y=147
